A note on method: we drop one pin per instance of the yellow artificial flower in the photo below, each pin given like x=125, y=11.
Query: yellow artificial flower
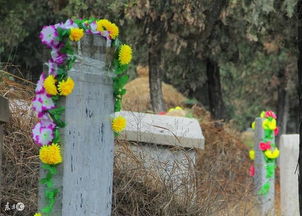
x=272, y=154
x=102, y=25
x=38, y=214
x=254, y=125
x=119, y=124
x=113, y=30
x=76, y=34
x=269, y=124
x=50, y=154
x=125, y=54
x=262, y=115
x=252, y=154
x=176, y=108
x=50, y=85
x=66, y=86
x=106, y=25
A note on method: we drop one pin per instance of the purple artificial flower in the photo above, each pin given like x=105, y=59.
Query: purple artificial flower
x=41, y=103
x=46, y=121
x=48, y=36
x=106, y=35
x=40, y=88
x=52, y=68
x=58, y=57
x=42, y=135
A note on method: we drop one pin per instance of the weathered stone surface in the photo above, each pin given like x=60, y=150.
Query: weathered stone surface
x=289, y=148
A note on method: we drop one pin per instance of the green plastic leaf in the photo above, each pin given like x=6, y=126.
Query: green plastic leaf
x=268, y=134
x=270, y=170
x=55, y=98
x=57, y=136
x=117, y=106
x=63, y=33
x=264, y=189
x=116, y=43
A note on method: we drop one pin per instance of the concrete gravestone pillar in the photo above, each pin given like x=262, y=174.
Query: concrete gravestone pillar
x=85, y=176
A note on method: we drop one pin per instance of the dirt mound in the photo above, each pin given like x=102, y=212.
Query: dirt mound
x=137, y=97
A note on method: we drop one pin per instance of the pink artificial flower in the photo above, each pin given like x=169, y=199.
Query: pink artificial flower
x=40, y=88
x=46, y=121
x=264, y=146
x=252, y=170
x=52, y=68
x=270, y=114
x=162, y=113
x=41, y=103
x=92, y=29
x=67, y=25
x=58, y=57
x=48, y=36
x=42, y=135
x=106, y=35
x=276, y=131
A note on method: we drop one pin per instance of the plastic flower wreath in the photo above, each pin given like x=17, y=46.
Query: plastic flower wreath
x=268, y=147
x=57, y=84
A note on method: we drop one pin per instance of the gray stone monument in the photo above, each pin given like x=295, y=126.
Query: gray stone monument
x=289, y=146
x=266, y=202
x=85, y=176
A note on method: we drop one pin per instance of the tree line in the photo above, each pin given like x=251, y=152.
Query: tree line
x=234, y=57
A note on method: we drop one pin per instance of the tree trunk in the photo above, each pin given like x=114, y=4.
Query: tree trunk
x=214, y=90
x=282, y=106
x=299, y=24
x=154, y=62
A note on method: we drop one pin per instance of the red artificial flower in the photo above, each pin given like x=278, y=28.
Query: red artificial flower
x=264, y=146
x=270, y=114
x=252, y=170
x=276, y=131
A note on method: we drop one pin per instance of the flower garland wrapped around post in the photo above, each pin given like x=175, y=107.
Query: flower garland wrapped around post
x=57, y=84
x=268, y=147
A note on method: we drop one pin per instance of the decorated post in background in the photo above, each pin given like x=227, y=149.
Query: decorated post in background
x=264, y=155
x=267, y=185
x=75, y=103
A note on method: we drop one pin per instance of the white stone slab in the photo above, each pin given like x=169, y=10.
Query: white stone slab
x=161, y=129
x=289, y=148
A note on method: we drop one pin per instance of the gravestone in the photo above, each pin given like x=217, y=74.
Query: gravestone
x=266, y=202
x=85, y=176
x=289, y=147
x=4, y=116
x=165, y=145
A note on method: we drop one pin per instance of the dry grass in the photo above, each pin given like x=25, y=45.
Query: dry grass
x=20, y=163
x=220, y=176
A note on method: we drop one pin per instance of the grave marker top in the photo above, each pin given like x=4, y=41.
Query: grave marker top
x=161, y=129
